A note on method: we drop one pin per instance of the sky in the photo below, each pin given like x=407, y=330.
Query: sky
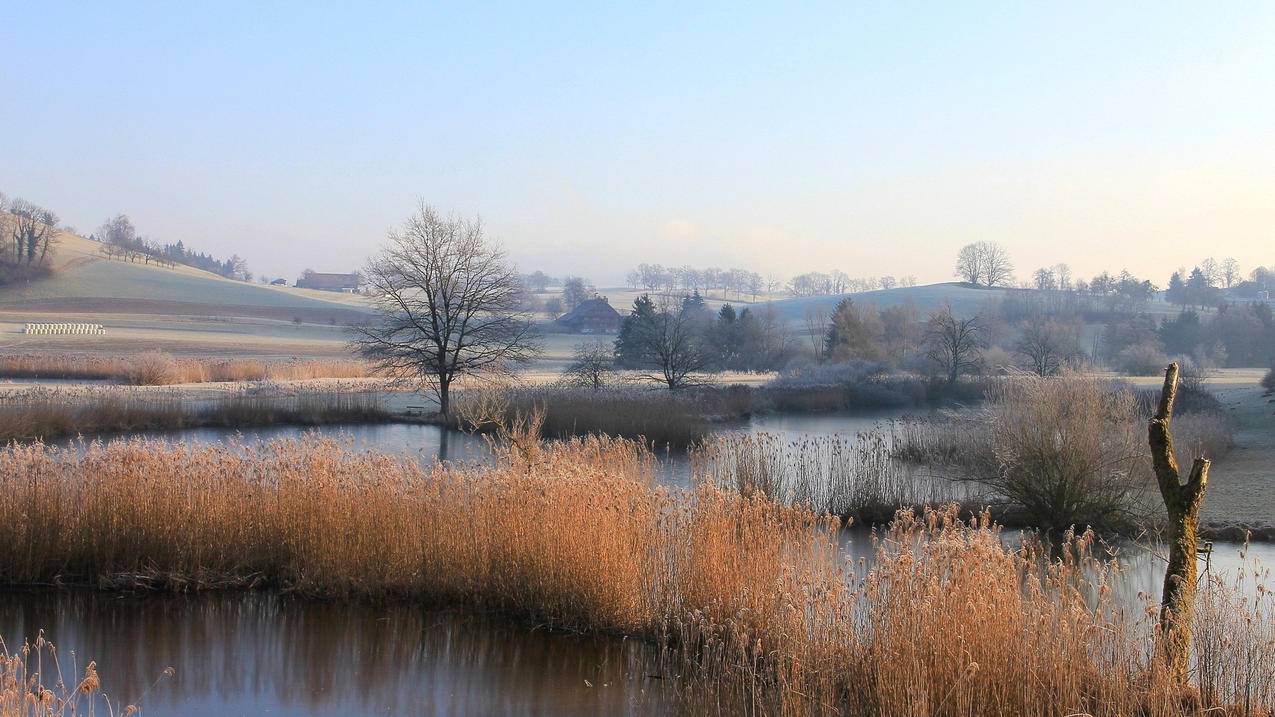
x=874, y=138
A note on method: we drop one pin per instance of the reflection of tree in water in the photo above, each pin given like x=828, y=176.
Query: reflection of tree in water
x=299, y=657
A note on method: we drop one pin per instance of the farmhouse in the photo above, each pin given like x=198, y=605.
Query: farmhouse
x=349, y=283
x=594, y=316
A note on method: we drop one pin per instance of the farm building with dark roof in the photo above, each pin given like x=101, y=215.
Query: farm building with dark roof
x=328, y=282
x=594, y=316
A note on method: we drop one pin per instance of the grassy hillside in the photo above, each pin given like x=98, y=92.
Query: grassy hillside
x=963, y=298
x=84, y=282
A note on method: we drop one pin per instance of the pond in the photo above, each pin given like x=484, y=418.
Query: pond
x=236, y=653
x=259, y=653
x=262, y=653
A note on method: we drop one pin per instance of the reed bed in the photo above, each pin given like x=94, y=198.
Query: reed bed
x=47, y=414
x=851, y=477
x=157, y=368
x=753, y=599
x=658, y=417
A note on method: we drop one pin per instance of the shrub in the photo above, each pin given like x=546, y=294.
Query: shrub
x=1144, y=359
x=1068, y=451
x=153, y=368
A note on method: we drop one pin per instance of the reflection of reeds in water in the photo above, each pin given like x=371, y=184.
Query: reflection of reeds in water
x=46, y=414
x=751, y=599
x=832, y=474
x=280, y=654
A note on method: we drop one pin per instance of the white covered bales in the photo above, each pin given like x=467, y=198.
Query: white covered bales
x=78, y=329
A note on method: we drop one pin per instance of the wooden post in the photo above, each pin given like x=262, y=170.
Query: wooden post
x=1182, y=502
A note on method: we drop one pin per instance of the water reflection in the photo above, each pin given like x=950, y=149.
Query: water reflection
x=260, y=653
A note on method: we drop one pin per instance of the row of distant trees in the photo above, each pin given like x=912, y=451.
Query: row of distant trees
x=120, y=240
x=677, y=340
x=28, y=238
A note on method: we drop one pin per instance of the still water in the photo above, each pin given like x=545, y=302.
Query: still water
x=257, y=653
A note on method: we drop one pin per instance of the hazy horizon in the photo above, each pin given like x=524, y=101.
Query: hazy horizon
x=873, y=140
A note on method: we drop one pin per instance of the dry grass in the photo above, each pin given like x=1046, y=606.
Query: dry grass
x=157, y=368
x=1068, y=450
x=46, y=414
x=658, y=417
x=838, y=475
x=32, y=685
x=754, y=599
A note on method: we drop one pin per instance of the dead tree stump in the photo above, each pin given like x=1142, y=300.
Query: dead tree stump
x=1182, y=501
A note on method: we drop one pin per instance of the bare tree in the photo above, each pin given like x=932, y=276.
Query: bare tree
x=1045, y=344
x=969, y=264
x=1211, y=271
x=1182, y=501
x=954, y=344
x=671, y=343
x=576, y=290
x=593, y=366
x=1230, y=272
x=998, y=270
x=816, y=328
x=447, y=304
x=33, y=231
x=1063, y=272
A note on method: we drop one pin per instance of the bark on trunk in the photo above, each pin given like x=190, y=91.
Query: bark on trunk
x=1182, y=501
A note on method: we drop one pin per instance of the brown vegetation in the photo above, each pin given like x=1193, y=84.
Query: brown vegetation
x=750, y=597
x=1067, y=450
x=659, y=418
x=45, y=415
x=157, y=368
x=851, y=477
x=32, y=685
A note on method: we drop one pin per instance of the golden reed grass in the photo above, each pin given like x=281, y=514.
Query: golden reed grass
x=157, y=368
x=754, y=599
x=32, y=684
x=41, y=413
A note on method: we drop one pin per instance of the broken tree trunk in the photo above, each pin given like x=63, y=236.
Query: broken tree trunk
x=1182, y=502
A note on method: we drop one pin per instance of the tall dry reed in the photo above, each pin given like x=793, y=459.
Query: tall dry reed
x=755, y=599
x=854, y=477
x=44, y=414
x=32, y=684
x=159, y=368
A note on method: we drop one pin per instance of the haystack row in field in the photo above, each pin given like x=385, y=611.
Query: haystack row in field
x=94, y=329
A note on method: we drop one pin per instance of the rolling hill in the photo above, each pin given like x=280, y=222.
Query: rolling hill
x=85, y=282
x=963, y=298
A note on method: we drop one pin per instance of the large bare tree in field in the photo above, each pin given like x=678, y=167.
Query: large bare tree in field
x=448, y=305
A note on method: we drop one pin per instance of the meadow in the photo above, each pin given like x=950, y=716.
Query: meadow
x=751, y=597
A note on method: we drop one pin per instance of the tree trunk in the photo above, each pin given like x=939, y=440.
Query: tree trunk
x=1182, y=501
x=444, y=397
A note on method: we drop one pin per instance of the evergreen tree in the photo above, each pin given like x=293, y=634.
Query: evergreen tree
x=850, y=335
x=630, y=348
x=1176, y=293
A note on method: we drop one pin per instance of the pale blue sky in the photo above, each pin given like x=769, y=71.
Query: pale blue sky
x=874, y=138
